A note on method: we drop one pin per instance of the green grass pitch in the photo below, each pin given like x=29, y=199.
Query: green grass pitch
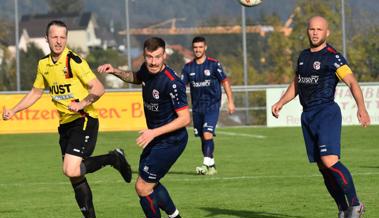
x=262, y=173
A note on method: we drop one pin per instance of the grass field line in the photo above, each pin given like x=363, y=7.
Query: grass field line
x=192, y=179
x=241, y=134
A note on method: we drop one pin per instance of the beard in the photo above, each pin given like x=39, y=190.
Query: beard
x=316, y=44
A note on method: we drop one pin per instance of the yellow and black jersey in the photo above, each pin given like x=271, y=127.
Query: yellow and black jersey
x=67, y=80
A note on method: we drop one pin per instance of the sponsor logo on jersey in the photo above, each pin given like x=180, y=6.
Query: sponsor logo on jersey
x=60, y=89
x=192, y=74
x=301, y=63
x=207, y=72
x=205, y=83
x=151, y=106
x=316, y=65
x=62, y=97
x=155, y=94
x=308, y=80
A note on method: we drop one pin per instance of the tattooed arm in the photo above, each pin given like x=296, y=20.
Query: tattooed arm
x=126, y=76
x=96, y=90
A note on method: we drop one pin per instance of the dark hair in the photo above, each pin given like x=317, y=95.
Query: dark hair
x=199, y=39
x=153, y=43
x=55, y=23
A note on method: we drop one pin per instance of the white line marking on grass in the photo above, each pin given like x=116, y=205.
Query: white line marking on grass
x=241, y=134
x=202, y=177
x=192, y=179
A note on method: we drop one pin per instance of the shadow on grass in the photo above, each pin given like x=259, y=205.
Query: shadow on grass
x=9, y=212
x=370, y=167
x=216, y=212
x=189, y=173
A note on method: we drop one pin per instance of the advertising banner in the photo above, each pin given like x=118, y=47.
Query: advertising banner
x=118, y=111
x=291, y=112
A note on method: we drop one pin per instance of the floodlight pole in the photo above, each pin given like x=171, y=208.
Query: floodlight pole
x=128, y=36
x=245, y=67
x=343, y=28
x=18, y=83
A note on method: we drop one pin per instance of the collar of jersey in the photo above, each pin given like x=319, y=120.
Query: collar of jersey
x=62, y=58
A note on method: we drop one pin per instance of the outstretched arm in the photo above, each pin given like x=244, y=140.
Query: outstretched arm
x=28, y=100
x=126, y=76
x=363, y=116
x=287, y=97
x=229, y=94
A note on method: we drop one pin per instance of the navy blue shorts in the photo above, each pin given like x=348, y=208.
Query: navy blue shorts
x=322, y=131
x=156, y=161
x=205, y=122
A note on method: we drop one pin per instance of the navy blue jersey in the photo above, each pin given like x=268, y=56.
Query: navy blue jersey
x=204, y=80
x=317, y=76
x=163, y=94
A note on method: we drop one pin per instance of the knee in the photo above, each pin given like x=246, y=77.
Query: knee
x=142, y=189
x=71, y=172
x=328, y=161
x=208, y=136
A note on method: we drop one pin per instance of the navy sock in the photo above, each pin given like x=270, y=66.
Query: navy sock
x=83, y=197
x=208, y=147
x=164, y=200
x=334, y=190
x=93, y=164
x=150, y=206
x=345, y=181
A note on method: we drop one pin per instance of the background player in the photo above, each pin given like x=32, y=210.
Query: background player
x=73, y=89
x=167, y=114
x=204, y=75
x=319, y=69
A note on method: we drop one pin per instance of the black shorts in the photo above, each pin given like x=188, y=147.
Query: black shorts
x=79, y=136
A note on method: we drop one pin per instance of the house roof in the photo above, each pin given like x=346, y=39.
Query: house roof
x=36, y=24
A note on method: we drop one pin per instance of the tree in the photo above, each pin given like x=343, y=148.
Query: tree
x=71, y=6
x=28, y=65
x=277, y=56
x=364, y=56
x=307, y=9
x=7, y=72
x=99, y=56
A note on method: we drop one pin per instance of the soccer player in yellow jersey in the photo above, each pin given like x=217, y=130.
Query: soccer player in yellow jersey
x=73, y=88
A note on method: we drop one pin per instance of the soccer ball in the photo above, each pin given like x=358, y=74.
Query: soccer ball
x=250, y=3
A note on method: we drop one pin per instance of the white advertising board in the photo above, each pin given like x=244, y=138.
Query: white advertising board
x=291, y=112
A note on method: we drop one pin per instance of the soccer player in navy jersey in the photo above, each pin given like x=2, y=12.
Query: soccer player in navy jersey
x=167, y=115
x=319, y=68
x=205, y=76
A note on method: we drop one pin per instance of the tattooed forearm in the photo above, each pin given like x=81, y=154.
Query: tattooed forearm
x=127, y=76
x=91, y=98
